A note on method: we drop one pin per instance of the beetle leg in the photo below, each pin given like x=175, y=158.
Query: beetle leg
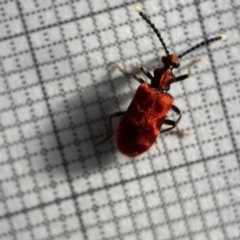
x=173, y=123
x=137, y=66
x=183, y=77
x=192, y=65
x=178, y=111
x=156, y=145
x=146, y=72
x=116, y=114
x=139, y=79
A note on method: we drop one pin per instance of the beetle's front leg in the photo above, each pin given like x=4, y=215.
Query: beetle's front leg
x=139, y=79
x=185, y=76
x=146, y=72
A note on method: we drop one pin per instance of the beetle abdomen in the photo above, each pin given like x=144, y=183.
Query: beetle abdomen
x=140, y=125
x=134, y=139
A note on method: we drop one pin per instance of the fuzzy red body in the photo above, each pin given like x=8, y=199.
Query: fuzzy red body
x=141, y=124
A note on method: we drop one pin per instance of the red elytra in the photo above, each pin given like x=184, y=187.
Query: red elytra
x=142, y=122
x=140, y=125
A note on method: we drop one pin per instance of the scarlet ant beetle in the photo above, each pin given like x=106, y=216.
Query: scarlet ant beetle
x=141, y=123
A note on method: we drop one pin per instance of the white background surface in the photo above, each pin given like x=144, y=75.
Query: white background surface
x=57, y=89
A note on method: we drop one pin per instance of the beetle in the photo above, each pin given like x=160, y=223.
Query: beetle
x=141, y=123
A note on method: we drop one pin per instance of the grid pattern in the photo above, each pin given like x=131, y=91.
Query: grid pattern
x=57, y=89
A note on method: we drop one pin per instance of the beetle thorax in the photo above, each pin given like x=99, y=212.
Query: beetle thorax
x=163, y=78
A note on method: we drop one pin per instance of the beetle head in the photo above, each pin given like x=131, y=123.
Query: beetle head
x=171, y=60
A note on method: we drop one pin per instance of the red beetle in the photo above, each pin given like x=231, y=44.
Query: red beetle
x=141, y=123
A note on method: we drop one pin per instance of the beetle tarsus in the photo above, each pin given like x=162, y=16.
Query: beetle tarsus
x=139, y=79
x=137, y=67
x=192, y=65
x=181, y=132
x=156, y=145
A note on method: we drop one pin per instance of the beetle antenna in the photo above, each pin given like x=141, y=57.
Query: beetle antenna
x=143, y=15
x=203, y=43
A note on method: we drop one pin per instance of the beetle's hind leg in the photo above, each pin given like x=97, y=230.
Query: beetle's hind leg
x=173, y=123
x=116, y=114
x=139, y=79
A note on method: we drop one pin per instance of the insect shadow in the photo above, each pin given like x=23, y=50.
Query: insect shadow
x=80, y=119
